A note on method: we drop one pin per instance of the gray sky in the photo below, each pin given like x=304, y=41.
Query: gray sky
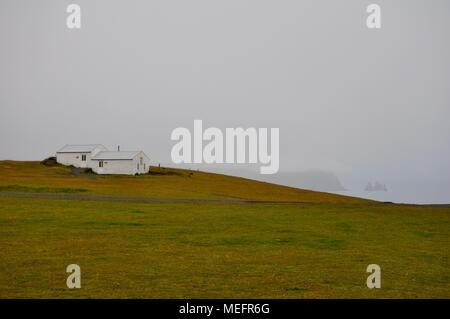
x=363, y=104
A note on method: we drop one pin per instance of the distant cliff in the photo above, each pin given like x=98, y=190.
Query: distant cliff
x=318, y=180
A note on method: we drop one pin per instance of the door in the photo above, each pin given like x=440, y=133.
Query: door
x=83, y=160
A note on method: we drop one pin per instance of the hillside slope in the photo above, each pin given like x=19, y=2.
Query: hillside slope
x=163, y=183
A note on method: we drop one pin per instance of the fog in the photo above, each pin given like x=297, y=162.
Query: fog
x=351, y=103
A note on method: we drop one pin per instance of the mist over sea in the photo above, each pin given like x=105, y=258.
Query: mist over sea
x=416, y=192
x=419, y=189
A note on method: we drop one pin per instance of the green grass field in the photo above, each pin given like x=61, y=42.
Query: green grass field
x=316, y=248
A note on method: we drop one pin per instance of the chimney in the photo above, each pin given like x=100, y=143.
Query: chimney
x=118, y=148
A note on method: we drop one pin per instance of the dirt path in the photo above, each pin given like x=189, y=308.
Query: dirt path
x=139, y=199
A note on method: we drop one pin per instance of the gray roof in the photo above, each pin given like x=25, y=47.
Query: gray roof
x=116, y=155
x=81, y=148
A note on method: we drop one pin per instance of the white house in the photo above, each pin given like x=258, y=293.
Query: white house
x=121, y=162
x=102, y=161
x=78, y=155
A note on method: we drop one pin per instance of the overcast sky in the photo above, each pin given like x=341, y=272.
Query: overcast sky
x=363, y=104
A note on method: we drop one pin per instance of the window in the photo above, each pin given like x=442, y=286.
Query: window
x=144, y=167
x=100, y=164
x=141, y=160
x=138, y=166
x=83, y=157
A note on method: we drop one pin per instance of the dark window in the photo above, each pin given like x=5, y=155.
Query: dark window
x=100, y=164
x=83, y=157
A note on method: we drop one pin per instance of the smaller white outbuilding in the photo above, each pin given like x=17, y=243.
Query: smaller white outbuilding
x=121, y=162
x=100, y=160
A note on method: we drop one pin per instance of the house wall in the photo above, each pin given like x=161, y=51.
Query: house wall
x=144, y=167
x=73, y=159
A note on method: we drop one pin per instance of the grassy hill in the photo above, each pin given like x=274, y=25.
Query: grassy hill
x=302, y=244
x=164, y=183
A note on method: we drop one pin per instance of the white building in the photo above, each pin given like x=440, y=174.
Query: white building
x=129, y=163
x=78, y=155
x=102, y=161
